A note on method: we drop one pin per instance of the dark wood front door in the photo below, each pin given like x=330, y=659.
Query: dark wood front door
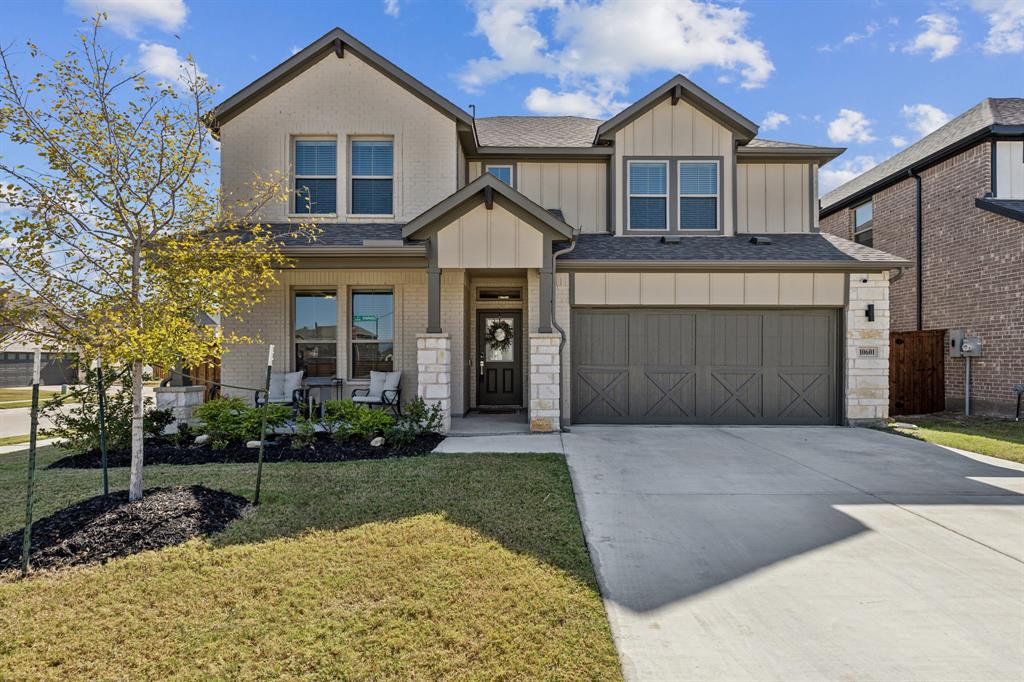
x=499, y=361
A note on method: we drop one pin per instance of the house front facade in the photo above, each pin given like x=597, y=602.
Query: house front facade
x=662, y=266
x=952, y=205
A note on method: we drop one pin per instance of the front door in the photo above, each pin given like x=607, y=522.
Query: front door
x=499, y=358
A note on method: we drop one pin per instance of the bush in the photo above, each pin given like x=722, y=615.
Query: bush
x=231, y=420
x=345, y=419
x=417, y=420
x=78, y=428
x=304, y=435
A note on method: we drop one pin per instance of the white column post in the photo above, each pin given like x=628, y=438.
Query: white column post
x=434, y=373
x=545, y=409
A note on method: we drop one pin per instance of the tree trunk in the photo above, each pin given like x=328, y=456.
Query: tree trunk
x=135, y=486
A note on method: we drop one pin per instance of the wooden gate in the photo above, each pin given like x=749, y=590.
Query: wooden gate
x=917, y=372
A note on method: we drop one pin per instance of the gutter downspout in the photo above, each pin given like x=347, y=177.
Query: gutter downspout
x=558, y=327
x=919, y=239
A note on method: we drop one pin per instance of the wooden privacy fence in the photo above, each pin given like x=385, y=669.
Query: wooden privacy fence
x=917, y=372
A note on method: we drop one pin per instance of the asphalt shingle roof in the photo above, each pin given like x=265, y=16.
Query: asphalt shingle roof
x=784, y=247
x=339, y=234
x=988, y=112
x=536, y=131
x=761, y=143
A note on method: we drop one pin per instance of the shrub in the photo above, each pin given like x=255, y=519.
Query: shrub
x=346, y=419
x=77, y=428
x=417, y=419
x=231, y=420
x=304, y=435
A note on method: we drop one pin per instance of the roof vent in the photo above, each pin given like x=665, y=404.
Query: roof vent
x=672, y=239
x=760, y=241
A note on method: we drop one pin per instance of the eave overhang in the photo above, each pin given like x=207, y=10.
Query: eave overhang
x=578, y=265
x=821, y=155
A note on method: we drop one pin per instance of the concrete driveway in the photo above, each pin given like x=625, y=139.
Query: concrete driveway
x=777, y=553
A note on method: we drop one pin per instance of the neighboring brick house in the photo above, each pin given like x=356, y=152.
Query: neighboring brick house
x=662, y=266
x=971, y=178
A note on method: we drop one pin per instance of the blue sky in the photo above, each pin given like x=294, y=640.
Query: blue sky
x=870, y=76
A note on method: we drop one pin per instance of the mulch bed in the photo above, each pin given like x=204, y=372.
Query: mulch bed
x=325, y=449
x=99, y=529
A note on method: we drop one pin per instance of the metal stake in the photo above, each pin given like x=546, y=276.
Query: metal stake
x=26, y=541
x=263, y=427
x=967, y=388
x=102, y=400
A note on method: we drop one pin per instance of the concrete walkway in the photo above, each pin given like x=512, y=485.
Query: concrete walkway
x=802, y=553
x=540, y=442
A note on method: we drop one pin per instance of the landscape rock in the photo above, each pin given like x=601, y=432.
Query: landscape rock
x=202, y=439
x=377, y=442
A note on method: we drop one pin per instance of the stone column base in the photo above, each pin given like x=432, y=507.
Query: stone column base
x=181, y=401
x=434, y=372
x=545, y=407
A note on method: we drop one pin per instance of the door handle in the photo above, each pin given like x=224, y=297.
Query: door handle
x=481, y=369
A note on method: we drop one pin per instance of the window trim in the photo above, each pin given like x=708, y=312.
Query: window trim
x=353, y=177
x=511, y=170
x=293, y=209
x=350, y=307
x=295, y=291
x=717, y=195
x=668, y=193
x=866, y=227
x=673, y=188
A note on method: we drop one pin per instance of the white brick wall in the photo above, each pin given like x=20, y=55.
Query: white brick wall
x=434, y=361
x=544, y=377
x=342, y=98
x=867, y=376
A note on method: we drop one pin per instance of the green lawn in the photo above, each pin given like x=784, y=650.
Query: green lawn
x=991, y=436
x=22, y=397
x=445, y=566
x=13, y=440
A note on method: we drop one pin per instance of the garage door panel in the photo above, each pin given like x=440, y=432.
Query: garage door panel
x=715, y=366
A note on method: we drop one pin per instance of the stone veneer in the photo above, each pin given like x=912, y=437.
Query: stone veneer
x=867, y=375
x=544, y=378
x=180, y=400
x=434, y=373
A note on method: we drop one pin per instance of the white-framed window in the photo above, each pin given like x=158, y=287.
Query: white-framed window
x=647, y=187
x=316, y=332
x=372, y=332
x=503, y=171
x=698, y=195
x=372, y=170
x=316, y=176
x=863, y=232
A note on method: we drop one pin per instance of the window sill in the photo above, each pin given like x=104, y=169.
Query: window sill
x=372, y=216
x=312, y=215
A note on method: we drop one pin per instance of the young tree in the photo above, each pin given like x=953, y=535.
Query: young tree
x=119, y=239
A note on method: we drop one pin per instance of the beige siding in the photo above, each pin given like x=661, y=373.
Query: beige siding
x=577, y=188
x=680, y=130
x=709, y=288
x=342, y=98
x=492, y=238
x=1010, y=170
x=774, y=197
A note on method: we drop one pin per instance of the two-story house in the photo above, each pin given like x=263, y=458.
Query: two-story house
x=663, y=266
x=952, y=204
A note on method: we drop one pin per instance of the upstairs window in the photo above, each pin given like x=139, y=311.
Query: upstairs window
x=316, y=176
x=373, y=177
x=862, y=224
x=373, y=333
x=316, y=333
x=648, y=195
x=698, y=195
x=503, y=172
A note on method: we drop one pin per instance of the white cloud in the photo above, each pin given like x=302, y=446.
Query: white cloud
x=924, y=118
x=593, y=49
x=831, y=177
x=1006, y=25
x=391, y=8
x=851, y=38
x=898, y=141
x=773, y=120
x=940, y=36
x=850, y=126
x=127, y=17
x=543, y=101
x=164, y=62
x=295, y=49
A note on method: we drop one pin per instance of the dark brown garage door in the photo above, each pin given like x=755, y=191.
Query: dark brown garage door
x=689, y=366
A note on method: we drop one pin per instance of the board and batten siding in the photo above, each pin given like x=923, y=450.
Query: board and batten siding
x=709, y=288
x=681, y=130
x=577, y=188
x=775, y=197
x=494, y=238
x=1010, y=170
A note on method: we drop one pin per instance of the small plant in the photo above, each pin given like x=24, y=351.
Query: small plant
x=346, y=419
x=231, y=420
x=417, y=419
x=304, y=435
x=156, y=422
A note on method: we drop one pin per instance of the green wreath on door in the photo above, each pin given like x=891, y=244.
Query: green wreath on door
x=499, y=335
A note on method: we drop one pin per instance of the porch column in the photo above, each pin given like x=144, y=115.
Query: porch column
x=434, y=373
x=546, y=288
x=433, y=288
x=545, y=410
x=867, y=350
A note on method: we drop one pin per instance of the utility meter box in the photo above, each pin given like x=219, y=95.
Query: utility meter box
x=961, y=346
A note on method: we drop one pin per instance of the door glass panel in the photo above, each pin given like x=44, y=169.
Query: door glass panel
x=495, y=353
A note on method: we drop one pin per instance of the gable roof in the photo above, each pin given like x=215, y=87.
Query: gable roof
x=682, y=87
x=536, y=131
x=477, y=191
x=338, y=42
x=973, y=125
x=776, y=149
